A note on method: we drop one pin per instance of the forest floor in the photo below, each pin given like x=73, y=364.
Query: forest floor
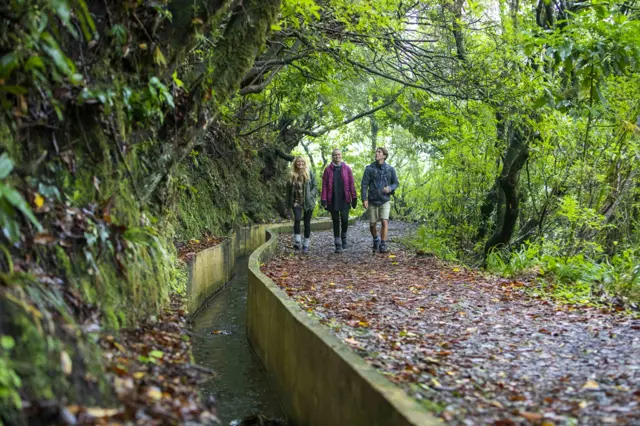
x=188, y=250
x=152, y=374
x=474, y=348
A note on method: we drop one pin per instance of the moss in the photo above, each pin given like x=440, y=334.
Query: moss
x=121, y=260
x=44, y=336
x=213, y=196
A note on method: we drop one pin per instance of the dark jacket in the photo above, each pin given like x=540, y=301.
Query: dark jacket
x=347, y=180
x=375, y=178
x=310, y=193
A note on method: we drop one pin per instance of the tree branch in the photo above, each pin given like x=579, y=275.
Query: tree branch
x=321, y=132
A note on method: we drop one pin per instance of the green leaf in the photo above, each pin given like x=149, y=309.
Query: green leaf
x=16, y=200
x=540, y=102
x=176, y=80
x=63, y=11
x=565, y=51
x=7, y=64
x=7, y=221
x=7, y=343
x=34, y=62
x=6, y=165
x=596, y=93
x=156, y=354
x=14, y=90
x=168, y=98
x=86, y=21
x=64, y=64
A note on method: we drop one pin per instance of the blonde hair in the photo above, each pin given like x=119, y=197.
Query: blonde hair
x=299, y=174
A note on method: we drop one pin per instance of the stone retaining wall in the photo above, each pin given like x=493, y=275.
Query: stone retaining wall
x=319, y=380
x=212, y=268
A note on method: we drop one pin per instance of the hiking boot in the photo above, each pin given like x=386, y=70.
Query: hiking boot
x=376, y=244
x=297, y=241
x=305, y=250
x=305, y=245
x=383, y=247
x=345, y=244
x=338, y=243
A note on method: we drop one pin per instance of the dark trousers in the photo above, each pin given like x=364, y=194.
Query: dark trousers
x=340, y=220
x=299, y=215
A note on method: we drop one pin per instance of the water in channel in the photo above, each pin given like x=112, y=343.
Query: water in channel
x=240, y=385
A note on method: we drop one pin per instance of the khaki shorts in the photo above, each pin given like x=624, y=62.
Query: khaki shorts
x=378, y=213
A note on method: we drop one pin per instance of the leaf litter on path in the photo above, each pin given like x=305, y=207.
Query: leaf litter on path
x=473, y=348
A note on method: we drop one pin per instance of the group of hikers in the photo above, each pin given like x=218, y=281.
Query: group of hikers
x=339, y=195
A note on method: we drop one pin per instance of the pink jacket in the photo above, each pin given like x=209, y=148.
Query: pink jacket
x=347, y=180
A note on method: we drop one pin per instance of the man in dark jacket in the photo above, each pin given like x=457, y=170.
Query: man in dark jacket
x=378, y=183
x=338, y=195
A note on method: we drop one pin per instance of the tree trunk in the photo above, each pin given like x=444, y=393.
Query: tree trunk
x=461, y=53
x=515, y=158
x=374, y=132
x=244, y=37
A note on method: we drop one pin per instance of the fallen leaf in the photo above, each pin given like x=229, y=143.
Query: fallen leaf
x=38, y=200
x=156, y=354
x=517, y=398
x=591, y=385
x=43, y=239
x=532, y=417
x=65, y=361
x=101, y=412
x=154, y=393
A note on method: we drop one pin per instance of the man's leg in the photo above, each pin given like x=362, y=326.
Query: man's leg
x=384, y=231
x=373, y=221
x=374, y=230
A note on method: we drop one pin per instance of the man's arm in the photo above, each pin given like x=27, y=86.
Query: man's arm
x=364, y=184
x=394, y=181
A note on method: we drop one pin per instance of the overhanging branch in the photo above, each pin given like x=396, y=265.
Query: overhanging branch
x=321, y=132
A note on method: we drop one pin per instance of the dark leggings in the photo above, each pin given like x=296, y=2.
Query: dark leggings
x=340, y=218
x=297, y=215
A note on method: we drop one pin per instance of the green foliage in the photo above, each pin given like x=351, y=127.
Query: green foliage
x=434, y=243
x=572, y=279
x=11, y=202
x=211, y=196
x=10, y=382
x=125, y=129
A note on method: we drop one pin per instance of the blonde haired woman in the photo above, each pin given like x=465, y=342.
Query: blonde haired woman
x=301, y=198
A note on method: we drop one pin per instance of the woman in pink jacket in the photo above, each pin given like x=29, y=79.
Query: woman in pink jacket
x=338, y=195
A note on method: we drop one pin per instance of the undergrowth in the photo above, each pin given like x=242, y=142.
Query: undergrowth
x=583, y=278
